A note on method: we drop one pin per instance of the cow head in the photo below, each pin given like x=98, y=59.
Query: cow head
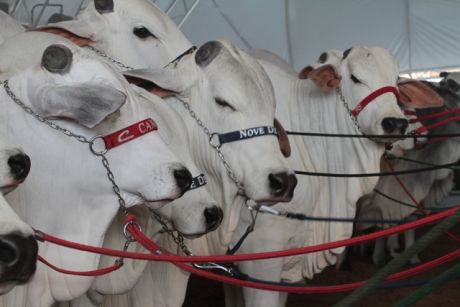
x=18, y=248
x=78, y=90
x=230, y=91
x=364, y=71
x=196, y=212
x=135, y=32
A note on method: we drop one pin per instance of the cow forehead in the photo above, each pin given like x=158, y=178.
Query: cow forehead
x=233, y=71
x=374, y=63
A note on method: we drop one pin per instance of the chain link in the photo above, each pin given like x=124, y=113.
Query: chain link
x=178, y=238
x=347, y=107
x=108, y=57
x=78, y=137
x=216, y=147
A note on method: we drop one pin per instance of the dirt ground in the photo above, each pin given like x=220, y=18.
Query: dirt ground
x=446, y=296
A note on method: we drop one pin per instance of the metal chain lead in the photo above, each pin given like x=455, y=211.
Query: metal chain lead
x=179, y=240
x=227, y=166
x=347, y=107
x=78, y=137
x=108, y=57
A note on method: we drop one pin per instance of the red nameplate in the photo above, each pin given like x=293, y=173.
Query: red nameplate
x=129, y=133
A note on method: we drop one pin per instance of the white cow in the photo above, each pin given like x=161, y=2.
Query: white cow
x=135, y=32
x=193, y=215
x=9, y=27
x=89, y=98
x=18, y=248
x=302, y=107
x=433, y=187
x=228, y=91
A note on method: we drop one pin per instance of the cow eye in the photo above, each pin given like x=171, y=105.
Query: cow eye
x=224, y=104
x=143, y=32
x=354, y=79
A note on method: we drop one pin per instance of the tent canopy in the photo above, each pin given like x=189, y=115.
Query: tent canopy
x=422, y=34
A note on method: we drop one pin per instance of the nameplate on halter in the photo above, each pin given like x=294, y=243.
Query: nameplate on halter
x=197, y=182
x=129, y=133
x=247, y=134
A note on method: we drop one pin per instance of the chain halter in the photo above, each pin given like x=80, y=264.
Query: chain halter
x=353, y=118
x=109, y=58
x=84, y=140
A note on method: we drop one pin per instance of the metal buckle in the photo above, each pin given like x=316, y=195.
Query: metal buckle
x=213, y=141
x=128, y=237
x=92, y=144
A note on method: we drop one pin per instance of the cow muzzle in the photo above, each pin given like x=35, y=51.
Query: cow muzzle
x=18, y=258
x=394, y=125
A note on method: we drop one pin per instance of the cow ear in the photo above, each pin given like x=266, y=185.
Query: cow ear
x=303, y=74
x=150, y=86
x=79, y=33
x=87, y=104
x=326, y=77
x=283, y=139
x=417, y=94
x=167, y=81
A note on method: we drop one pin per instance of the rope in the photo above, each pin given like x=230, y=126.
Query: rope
x=409, y=205
x=401, y=260
x=374, y=136
x=382, y=174
x=254, y=256
x=420, y=162
x=146, y=243
x=431, y=286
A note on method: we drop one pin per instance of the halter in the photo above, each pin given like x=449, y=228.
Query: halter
x=372, y=96
x=216, y=139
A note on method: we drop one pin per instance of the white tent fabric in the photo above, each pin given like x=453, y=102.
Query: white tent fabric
x=422, y=34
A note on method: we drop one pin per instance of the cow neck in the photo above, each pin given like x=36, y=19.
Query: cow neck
x=48, y=202
x=312, y=110
x=220, y=186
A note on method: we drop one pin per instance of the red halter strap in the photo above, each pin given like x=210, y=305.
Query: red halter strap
x=129, y=133
x=372, y=96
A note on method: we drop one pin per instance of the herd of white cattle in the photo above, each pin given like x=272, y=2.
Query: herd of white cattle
x=58, y=94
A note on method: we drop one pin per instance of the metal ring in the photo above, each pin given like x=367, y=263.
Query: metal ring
x=93, y=150
x=125, y=231
x=212, y=139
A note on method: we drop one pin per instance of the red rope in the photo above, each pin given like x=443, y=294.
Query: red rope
x=437, y=124
x=431, y=116
x=148, y=244
x=414, y=200
x=255, y=256
x=98, y=272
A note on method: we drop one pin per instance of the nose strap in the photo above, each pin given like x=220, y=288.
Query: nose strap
x=243, y=134
x=369, y=98
x=198, y=182
x=129, y=133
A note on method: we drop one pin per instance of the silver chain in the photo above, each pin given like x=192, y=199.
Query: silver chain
x=347, y=107
x=211, y=136
x=108, y=57
x=78, y=137
x=179, y=240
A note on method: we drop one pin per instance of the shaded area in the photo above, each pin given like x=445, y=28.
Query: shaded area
x=204, y=293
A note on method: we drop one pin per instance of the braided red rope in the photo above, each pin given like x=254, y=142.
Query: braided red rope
x=255, y=256
x=148, y=244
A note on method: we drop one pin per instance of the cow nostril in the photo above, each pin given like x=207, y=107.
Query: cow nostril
x=292, y=185
x=402, y=124
x=279, y=183
x=183, y=178
x=8, y=253
x=389, y=124
x=19, y=166
x=213, y=216
x=18, y=257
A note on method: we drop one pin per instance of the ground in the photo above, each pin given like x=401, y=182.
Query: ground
x=446, y=296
